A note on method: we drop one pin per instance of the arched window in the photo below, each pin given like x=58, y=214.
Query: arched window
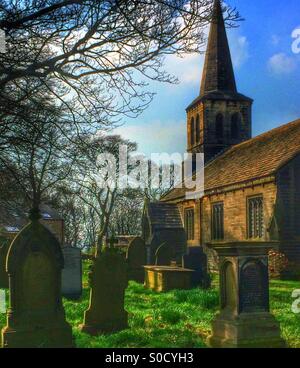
x=192, y=131
x=235, y=128
x=219, y=126
x=197, y=129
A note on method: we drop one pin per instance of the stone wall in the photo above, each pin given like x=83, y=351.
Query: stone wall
x=281, y=198
x=288, y=212
x=207, y=112
x=235, y=213
x=196, y=206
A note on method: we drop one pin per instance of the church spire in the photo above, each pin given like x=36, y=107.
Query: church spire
x=218, y=72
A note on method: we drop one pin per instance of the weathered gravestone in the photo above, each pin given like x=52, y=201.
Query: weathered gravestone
x=71, y=281
x=136, y=259
x=4, y=246
x=36, y=316
x=244, y=319
x=154, y=244
x=164, y=255
x=196, y=260
x=108, y=281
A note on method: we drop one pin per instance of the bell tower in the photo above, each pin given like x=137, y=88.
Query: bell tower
x=220, y=116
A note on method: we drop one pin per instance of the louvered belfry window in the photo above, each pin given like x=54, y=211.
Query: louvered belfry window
x=189, y=223
x=256, y=217
x=218, y=221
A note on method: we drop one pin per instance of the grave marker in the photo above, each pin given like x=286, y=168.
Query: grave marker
x=108, y=281
x=164, y=254
x=196, y=260
x=4, y=246
x=244, y=319
x=136, y=259
x=72, y=273
x=36, y=316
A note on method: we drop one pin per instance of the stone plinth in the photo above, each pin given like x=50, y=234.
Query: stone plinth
x=164, y=278
x=244, y=319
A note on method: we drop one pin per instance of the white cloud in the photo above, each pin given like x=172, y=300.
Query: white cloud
x=187, y=69
x=282, y=64
x=156, y=137
x=239, y=46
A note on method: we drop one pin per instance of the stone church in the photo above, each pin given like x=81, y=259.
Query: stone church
x=252, y=185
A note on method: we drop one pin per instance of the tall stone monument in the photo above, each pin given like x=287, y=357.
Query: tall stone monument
x=36, y=316
x=244, y=319
x=108, y=281
x=136, y=259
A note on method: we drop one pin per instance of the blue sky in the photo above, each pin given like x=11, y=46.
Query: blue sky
x=266, y=70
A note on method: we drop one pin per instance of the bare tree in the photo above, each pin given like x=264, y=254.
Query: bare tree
x=98, y=193
x=72, y=211
x=127, y=212
x=96, y=57
x=38, y=160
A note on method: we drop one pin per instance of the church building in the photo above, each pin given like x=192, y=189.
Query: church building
x=252, y=185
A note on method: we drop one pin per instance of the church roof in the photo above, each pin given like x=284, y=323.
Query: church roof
x=14, y=221
x=256, y=158
x=220, y=95
x=164, y=215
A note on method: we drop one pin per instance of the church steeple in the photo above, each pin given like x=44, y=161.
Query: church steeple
x=220, y=116
x=218, y=72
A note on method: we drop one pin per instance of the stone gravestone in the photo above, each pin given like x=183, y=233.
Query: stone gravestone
x=152, y=248
x=36, y=316
x=164, y=254
x=71, y=281
x=254, y=295
x=244, y=319
x=108, y=281
x=4, y=246
x=136, y=259
x=196, y=260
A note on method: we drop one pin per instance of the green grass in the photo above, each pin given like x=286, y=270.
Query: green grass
x=281, y=301
x=173, y=319
x=180, y=318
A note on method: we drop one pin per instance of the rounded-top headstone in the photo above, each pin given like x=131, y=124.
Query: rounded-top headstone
x=136, y=252
x=36, y=316
x=164, y=254
x=136, y=259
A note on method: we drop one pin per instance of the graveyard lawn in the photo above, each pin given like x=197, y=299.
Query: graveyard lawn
x=179, y=318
